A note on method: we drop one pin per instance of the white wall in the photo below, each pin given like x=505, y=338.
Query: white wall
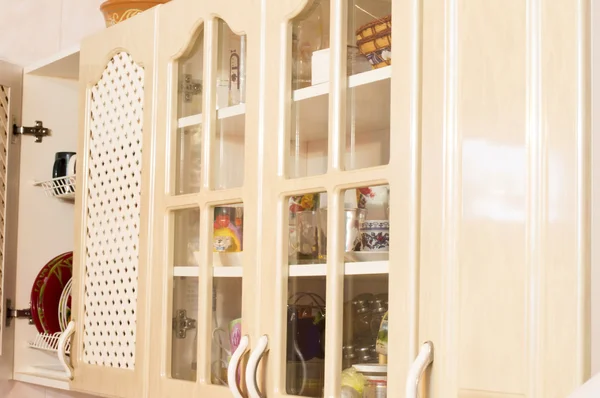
x=31, y=30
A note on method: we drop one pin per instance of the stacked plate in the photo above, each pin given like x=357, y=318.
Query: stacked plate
x=51, y=295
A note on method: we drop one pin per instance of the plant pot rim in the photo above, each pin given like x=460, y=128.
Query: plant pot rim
x=130, y=2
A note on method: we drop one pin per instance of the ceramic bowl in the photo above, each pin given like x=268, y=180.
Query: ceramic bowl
x=375, y=235
x=116, y=11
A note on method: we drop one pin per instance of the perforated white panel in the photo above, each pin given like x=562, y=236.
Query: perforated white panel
x=4, y=142
x=113, y=214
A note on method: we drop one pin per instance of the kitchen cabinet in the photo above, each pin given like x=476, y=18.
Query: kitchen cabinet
x=239, y=154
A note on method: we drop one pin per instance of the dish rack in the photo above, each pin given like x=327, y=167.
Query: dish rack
x=59, y=342
x=49, y=342
x=61, y=187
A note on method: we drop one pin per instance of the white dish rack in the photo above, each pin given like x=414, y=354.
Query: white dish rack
x=49, y=342
x=61, y=187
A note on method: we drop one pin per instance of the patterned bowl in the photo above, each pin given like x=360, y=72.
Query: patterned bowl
x=375, y=235
x=116, y=11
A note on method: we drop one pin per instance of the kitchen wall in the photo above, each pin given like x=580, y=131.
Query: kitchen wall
x=31, y=30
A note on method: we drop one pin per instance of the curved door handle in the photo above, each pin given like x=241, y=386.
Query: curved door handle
x=253, y=367
x=62, y=349
x=233, y=365
x=424, y=359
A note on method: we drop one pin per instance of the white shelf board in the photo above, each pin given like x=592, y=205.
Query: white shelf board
x=46, y=377
x=235, y=113
x=371, y=105
x=189, y=121
x=64, y=64
x=192, y=272
x=359, y=268
x=218, y=272
x=228, y=272
x=367, y=268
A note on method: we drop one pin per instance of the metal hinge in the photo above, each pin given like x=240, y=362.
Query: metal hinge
x=14, y=313
x=39, y=131
x=181, y=324
x=190, y=87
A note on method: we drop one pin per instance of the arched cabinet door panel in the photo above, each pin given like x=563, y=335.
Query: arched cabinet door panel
x=206, y=223
x=114, y=173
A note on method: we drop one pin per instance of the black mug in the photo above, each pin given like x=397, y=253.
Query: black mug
x=62, y=163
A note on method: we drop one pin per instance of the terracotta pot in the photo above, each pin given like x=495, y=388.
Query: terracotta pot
x=116, y=11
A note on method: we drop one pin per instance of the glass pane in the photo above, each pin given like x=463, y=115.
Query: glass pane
x=227, y=325
x=310, y=103
x=367, y=232
x=189, y=98
x=365, y=338
x=305, y=336
x=185, y=337
x=369, y=35
x=368, y=96
x=307, y=219
x=228, y=149
x=188, y=160
x=185, y=232
x=186, y=237
x=228, y=241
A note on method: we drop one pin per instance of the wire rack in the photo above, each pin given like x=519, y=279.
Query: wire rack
x=48, y=342
x=61, y=187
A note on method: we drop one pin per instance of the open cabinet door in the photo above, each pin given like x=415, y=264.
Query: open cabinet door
x=10, y=113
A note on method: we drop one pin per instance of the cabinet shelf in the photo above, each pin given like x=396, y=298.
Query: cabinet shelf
x=360, y=268
x=235, y=113
x=355, y=268
x=61, y=187
x=371, y=105
x=44, y=376
x=218, y=272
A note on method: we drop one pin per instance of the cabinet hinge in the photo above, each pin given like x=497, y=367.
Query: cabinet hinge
x=14, y=313
x=190, y=87
x=181, y=324
x=39, y=131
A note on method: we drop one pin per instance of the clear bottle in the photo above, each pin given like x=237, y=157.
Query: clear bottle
x=308, y=36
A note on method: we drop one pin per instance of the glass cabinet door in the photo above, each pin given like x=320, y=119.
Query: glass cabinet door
x=203, y=261
x=345, y=258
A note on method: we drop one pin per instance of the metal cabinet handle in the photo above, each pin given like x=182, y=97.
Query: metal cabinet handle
x=62, y=349
x=233, y=365
x=424, y=359
x=252, y=368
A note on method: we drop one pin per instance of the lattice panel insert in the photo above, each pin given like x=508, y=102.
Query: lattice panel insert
x=4, y=143
x=113, y=214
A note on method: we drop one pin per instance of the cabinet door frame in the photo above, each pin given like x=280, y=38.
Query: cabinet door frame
x=179, y=22
x=402, y=173
x=11, y=76
x=136, y=37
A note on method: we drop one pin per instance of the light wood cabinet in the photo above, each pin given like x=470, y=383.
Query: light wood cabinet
x=234, y=156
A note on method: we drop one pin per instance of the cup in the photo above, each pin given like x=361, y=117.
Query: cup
x=61, y=164
x=353, y=219
x=233, y=335
x=375, y=235
x=307, y=236
x=64, y=165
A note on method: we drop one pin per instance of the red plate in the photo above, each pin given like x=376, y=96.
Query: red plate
x=46, y=291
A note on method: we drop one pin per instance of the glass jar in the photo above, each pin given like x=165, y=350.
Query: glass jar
x=308, y=36
x=376, y=380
